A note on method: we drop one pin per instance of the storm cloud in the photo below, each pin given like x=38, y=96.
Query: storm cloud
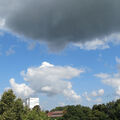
x=60, y=22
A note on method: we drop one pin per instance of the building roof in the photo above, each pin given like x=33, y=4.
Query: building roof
x=55, y=114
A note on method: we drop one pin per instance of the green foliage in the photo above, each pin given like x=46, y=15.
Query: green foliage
x=11, y=108
x=36, y=109
x=7, y=101
x=8, y=115
x=110, y=111
x=35, y=114
x=98, y=115
x=77, y=113
x=59, y=108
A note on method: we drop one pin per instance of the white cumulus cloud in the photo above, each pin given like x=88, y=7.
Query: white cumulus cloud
x=100, y=92
x=112, y=80
x=102, y=43
x=21, y=90
x=51, y=80
x=93, y=45
x=93, y=94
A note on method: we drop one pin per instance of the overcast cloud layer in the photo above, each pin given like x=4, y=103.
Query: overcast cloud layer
x=59, y=22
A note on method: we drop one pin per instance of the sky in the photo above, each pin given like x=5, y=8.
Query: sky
x=64, y=52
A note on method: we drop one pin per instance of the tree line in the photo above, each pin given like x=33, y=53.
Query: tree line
x=109, y=111
x=12, y=108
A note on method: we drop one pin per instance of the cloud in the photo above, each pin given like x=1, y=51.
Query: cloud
x=31, y=45
x=102, y=75
x=98, y=100
x=21, y=90
x=112, y=80
x=60, y=22
x=87, y=97
x=10, y=51
x=93, y=94
x=118, y=60
x=103, y=43
x=2, y=23
x=118, y=64
x=93, y=45
x=51, y=80
x=100, y=92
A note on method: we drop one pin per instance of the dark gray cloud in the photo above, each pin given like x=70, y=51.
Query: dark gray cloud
x=60, y=22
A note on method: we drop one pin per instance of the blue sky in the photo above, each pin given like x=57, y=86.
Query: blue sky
x=63, y=54
x=92, y=61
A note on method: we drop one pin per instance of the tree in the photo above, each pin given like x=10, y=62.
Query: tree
x=11, y=108
x=37, y=108
x=35, y=115
x=111, y=110
x=18, y=109
x=98, y=115
x=78, y=113
x=8, y=115
x=7, y=101
x=100, y=107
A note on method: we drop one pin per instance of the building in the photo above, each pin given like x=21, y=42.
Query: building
x=31, y=102
x=55, y=114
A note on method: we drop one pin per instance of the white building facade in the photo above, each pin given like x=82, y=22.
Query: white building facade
x=31, y=102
